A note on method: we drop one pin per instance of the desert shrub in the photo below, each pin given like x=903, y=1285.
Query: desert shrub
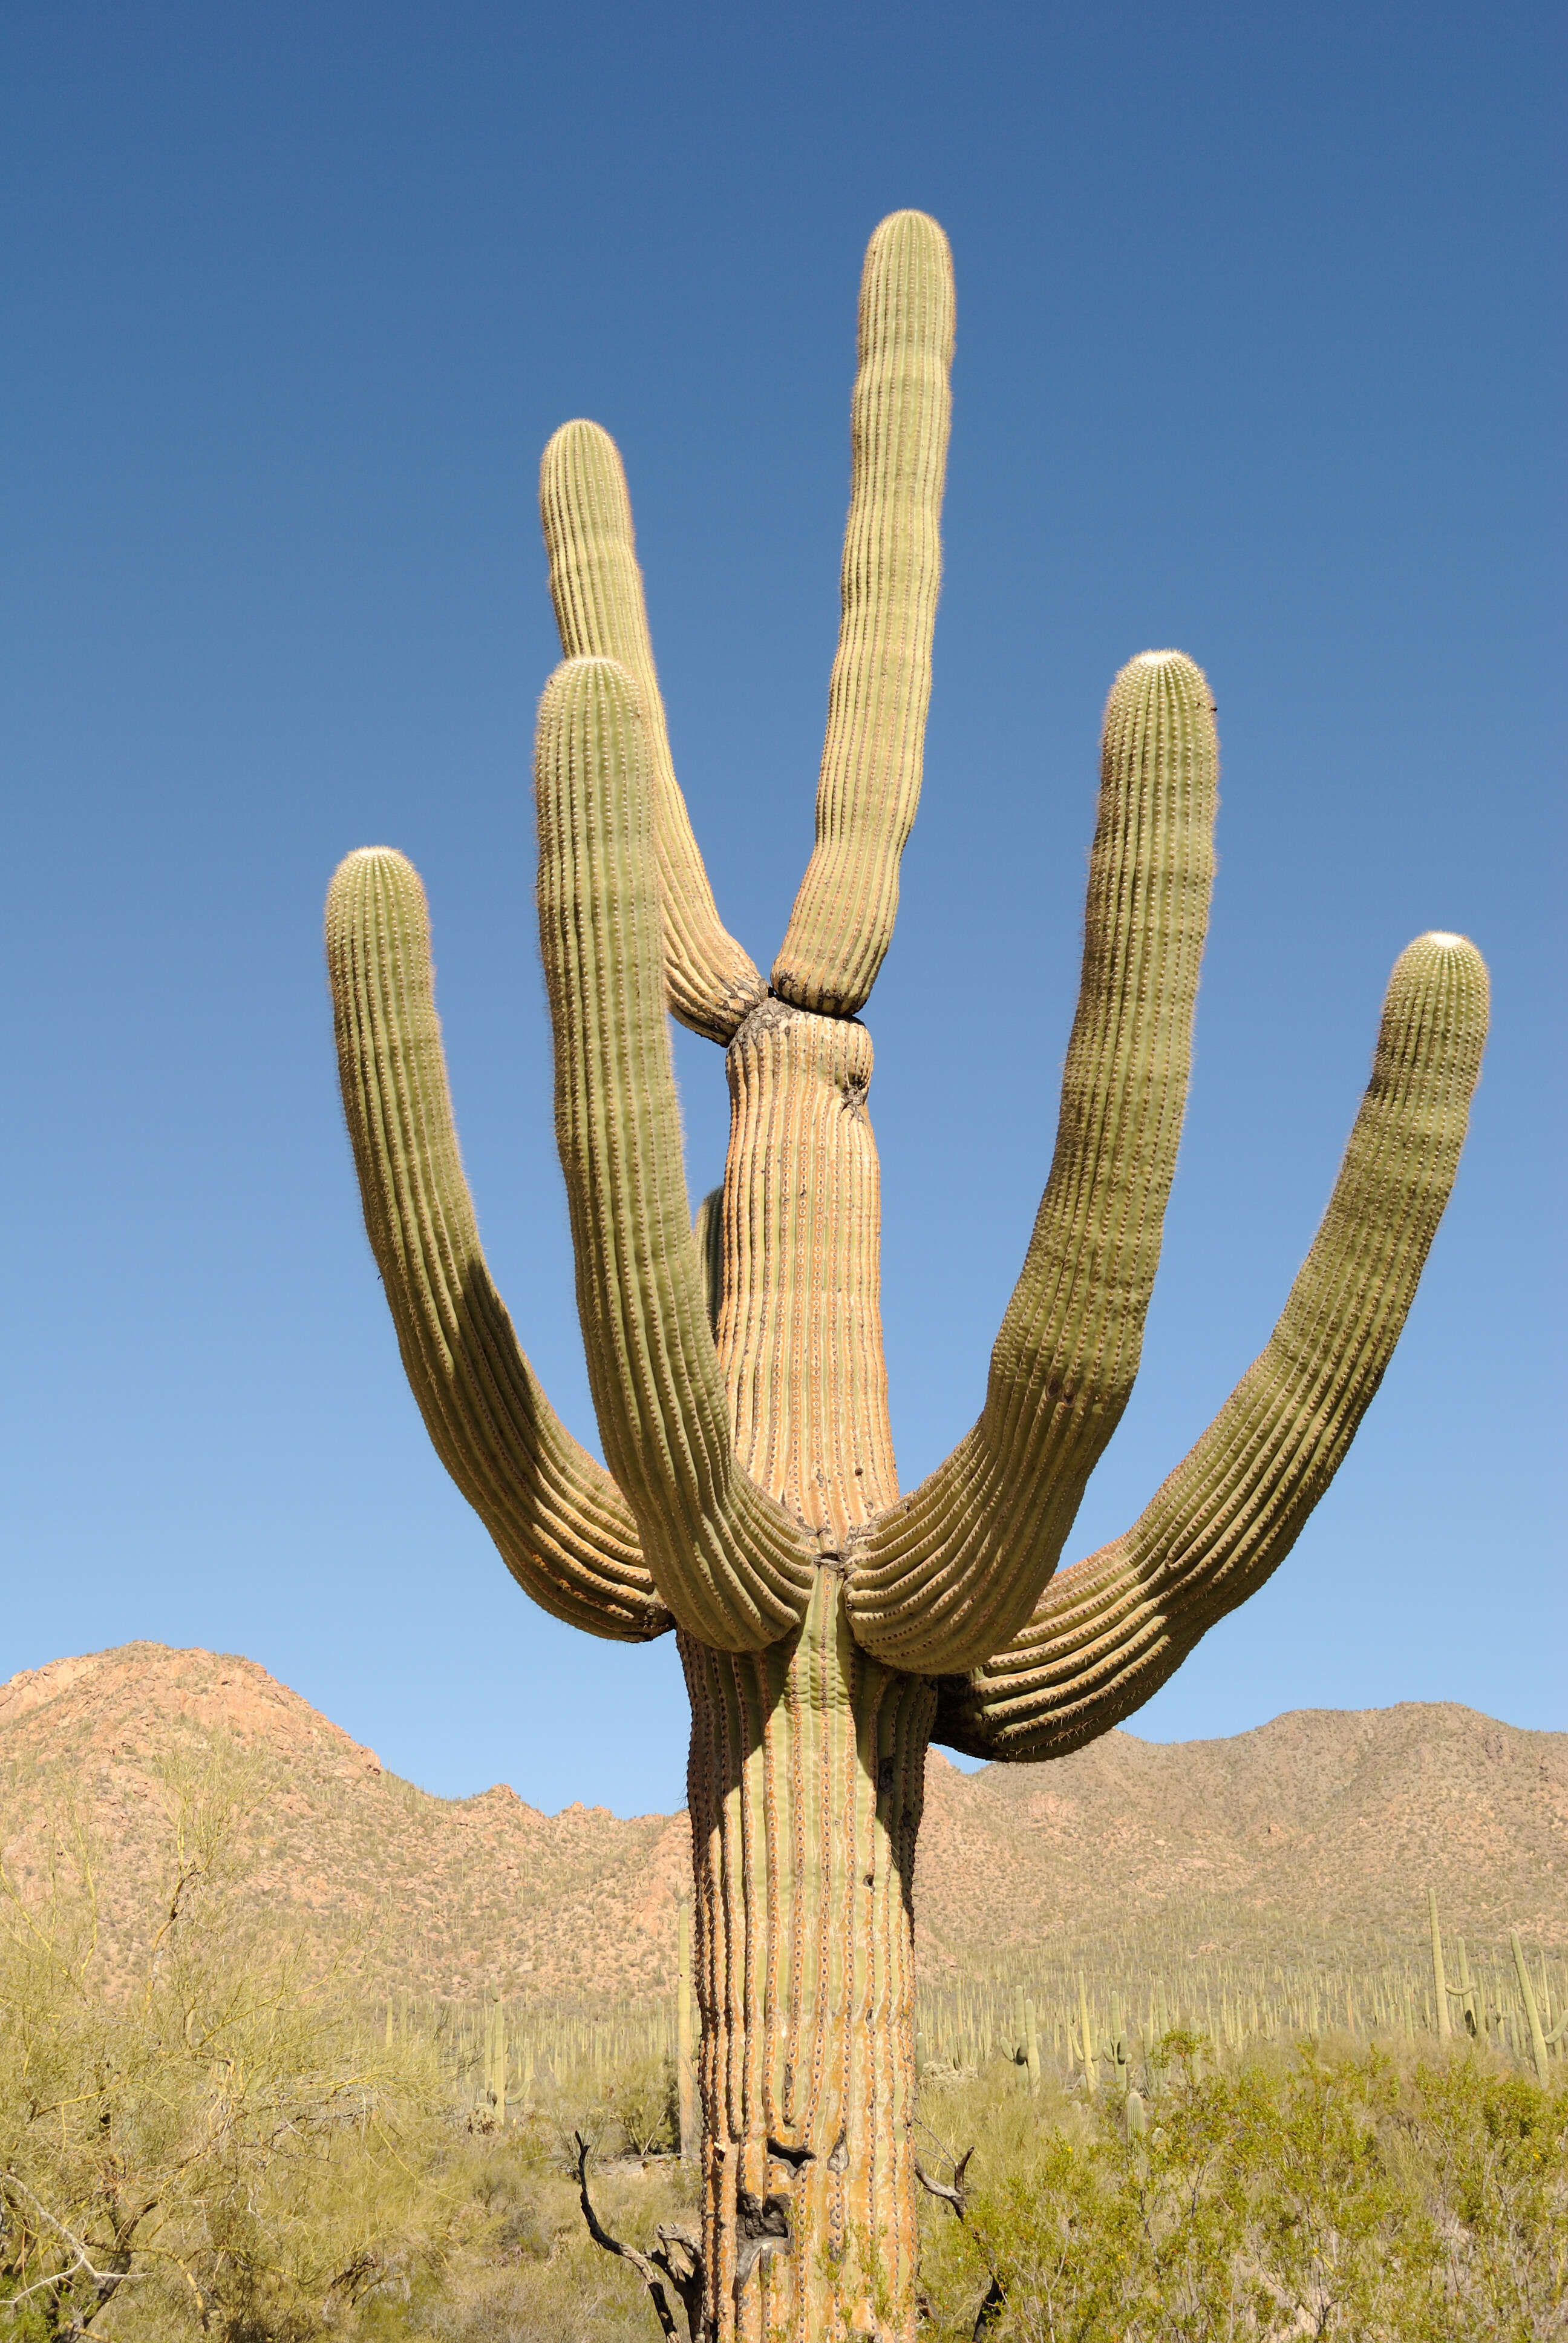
x=1290, y=2195
x=208, y=2143
x=1493, y=2156
x=217, y=2145
x=571, y=2292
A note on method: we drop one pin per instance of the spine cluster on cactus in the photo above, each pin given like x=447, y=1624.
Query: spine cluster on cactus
x=828, y=1624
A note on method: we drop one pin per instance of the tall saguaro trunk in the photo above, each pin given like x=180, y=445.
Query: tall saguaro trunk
x=830, y=1627
x=806, y=1774
x=807, y=1758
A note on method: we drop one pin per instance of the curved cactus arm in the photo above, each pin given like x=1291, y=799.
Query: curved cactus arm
x=734, y=1570
x=1108, y=1633
x=948, y=1575
x=595, y=586
x=563, y=1527
x=869, y=785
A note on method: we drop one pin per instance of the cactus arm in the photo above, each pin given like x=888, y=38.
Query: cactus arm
x=1108, y=1631
x=950, y=1574
x=734, y=1570
x=596, y=588
x=563, y=1527
x=870, y=783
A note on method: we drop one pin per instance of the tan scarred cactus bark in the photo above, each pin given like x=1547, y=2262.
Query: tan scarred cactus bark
x=828, y=1627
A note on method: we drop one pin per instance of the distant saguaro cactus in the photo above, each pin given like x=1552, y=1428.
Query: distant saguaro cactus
x=829, y=1626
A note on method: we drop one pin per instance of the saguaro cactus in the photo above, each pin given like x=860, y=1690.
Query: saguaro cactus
x=829, y=1624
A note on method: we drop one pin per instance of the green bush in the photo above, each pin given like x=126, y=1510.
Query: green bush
x=1288, y=2195
x=217, y=2144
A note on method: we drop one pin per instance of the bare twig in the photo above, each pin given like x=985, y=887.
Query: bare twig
x=957, y=2196
x=678, y=2262
x=104, y=2282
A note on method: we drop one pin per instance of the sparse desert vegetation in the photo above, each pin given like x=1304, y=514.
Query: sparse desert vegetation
x=229, y=2143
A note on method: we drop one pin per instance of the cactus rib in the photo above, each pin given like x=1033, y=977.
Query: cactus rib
x=724, y=1557
x=1109, y=1631
x=595, y=586
x=561, y=1524
x=950, y=1574
x=870, y=784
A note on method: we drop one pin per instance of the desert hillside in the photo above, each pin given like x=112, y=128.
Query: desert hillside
x=1320, y=1827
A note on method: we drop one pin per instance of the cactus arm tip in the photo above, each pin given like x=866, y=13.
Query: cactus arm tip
x=1106, y=1633
x=948, y=1576
x=734, y=1570
x=596, y=588
x=562, y=1526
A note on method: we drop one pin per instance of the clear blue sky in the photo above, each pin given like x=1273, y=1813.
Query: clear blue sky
x=1256, y=357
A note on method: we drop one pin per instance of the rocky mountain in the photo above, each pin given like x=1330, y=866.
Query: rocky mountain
x=1320, y=1827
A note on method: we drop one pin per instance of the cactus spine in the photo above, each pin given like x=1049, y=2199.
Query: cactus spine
x=828, y=1625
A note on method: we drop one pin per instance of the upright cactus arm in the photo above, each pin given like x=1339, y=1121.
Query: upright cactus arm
x=1108, y=1631
x=870, y=784
x=563, y=1527
x=735, y=1571
x=949, y=1574
x=596, y=588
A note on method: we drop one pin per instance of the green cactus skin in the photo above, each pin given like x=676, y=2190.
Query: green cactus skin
x=953, y=1572
x=827, y=1626
x=800, y=1326
x=1086, y=2038
x=708, y=1228
x=1532, y=2012
x=563, y=1528
x=495, y=2063
x=685, y=2067
x=1439, y=1981
x=1109, y=1631
x=596, y=588
x=806, y=1777
x=869, y=787
x=727, y=1564
x=1116, y=2050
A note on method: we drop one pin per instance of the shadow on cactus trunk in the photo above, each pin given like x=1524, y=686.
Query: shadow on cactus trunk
x=829, y=1624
